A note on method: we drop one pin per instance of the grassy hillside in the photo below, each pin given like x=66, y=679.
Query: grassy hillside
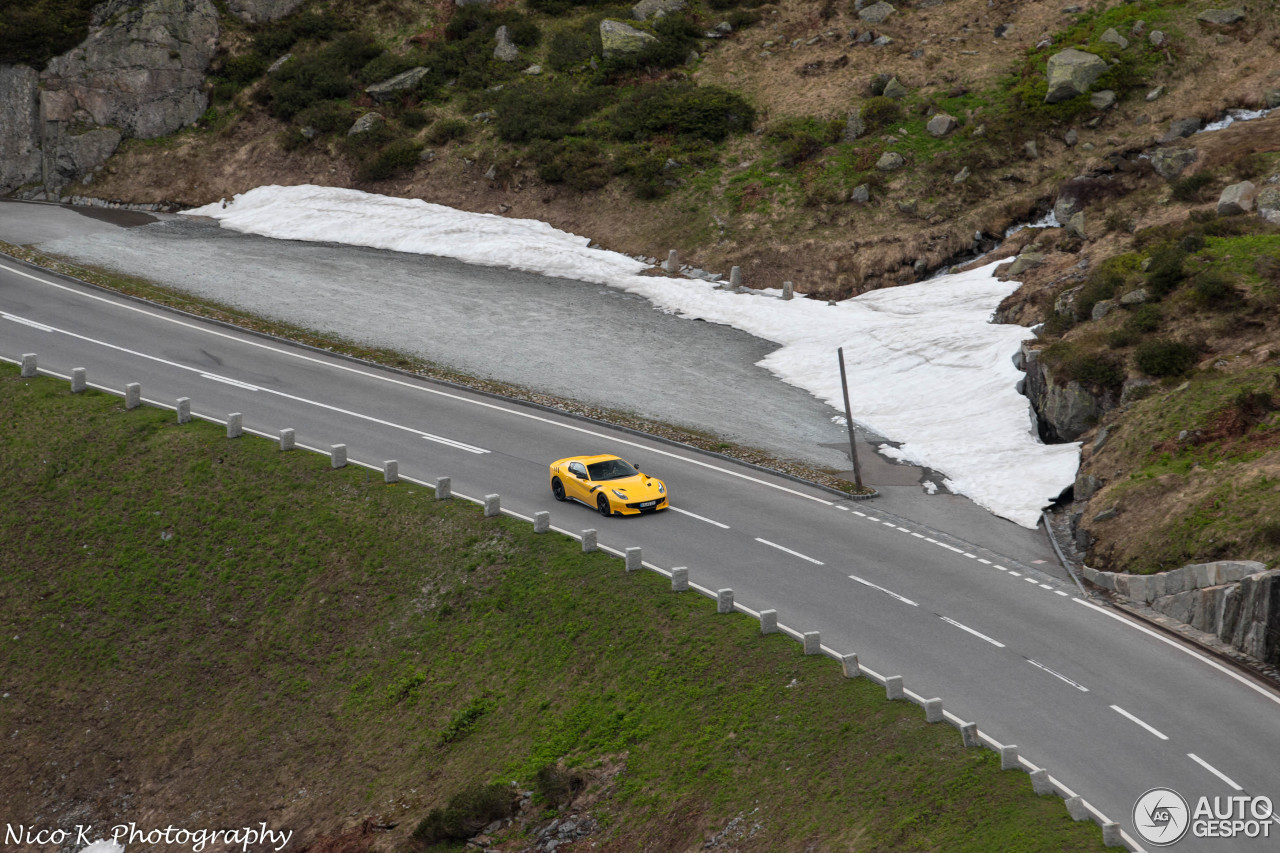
x=210, y=633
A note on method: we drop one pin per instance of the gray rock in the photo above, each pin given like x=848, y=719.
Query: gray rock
x=1071, y=138
x=1180, y=128
x=1157, y=38
x=724, y=28
x=1155, y=93
x=876, y=13
x=1086, y=487
x=279, y=63
x=617, y=38
x=505, y=50
x=1100, y=439
x=1072, y=72
x=854, y=127
x=1221, y=17
x=1030, y=150
x=1102, y=308
x=1179, y=606
x=258, y=11
x=309, y=132
x=1065, y=304
x=1102, y=100
x=365, y=123
x=1075, y=226
x=889, y=161
x=1237, y=199
x=403, y=82
x=1268, y=203
x=1113, y=37
x=1025, y=261
x=908, y=207
x=941, y=124
x=1169, y=163
x=1135, y=297
x=19, y=127
x=1106, y=514
x=861, y=194
x=1133, y=389
x=894, y=89
x=533, y=70
x=961, y=176
x=646, y=9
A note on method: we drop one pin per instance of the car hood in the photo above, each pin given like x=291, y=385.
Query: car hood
x=635, y=487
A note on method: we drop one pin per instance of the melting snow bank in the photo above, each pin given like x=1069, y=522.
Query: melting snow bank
x=926, y=367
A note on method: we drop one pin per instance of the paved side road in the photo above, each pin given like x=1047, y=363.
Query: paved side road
x=1110, y=708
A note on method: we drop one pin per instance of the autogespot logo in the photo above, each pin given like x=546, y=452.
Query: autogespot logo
x=1161, y=816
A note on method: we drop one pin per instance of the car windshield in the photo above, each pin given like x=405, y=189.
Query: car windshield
x=610, y=469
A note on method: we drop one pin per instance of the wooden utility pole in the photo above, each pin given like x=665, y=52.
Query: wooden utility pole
x=848, y=419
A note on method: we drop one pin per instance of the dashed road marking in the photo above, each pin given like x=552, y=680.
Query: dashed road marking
x=789, y=551
x=887, y=592
x=978, y=634
x=1122, y=712
x=1215, y=771
x=700, y=518
x=1058, y=675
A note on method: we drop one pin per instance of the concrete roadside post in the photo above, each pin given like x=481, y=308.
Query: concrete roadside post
x=184, y=410
x=78, y=380
x=1009, y=758
x=893, y=689
x=235, y=425
x=286, y=439
x=444, y=488
x=338, y=455
x=788, y=290
x=1040, y=782
x=969, y=735
x=735, y=278
x=588, y=541
x=672, y=263
x=768, y=621
x=933, y=711
x=132, y=396
x=849, y=664
x=492, y=506
x=724, y=601
x=1111, y=835
x=391, y=471
x=1077, y=809
x=541, y=522
x=679, y=579
x=28, y=365
x=812, y=643
x=632, y=559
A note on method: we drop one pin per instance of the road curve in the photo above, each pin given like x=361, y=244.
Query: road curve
x=1109, y=707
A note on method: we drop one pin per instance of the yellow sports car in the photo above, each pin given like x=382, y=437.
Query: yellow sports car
x=611, y=485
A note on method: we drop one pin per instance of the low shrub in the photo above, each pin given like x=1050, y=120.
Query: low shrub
x=1189, y=189
x=398, y=157
x=677, y=35
x=388, y=65
x=880, y=112
x=35, y=31
x=1166, y=272
x=556, y=785
x=1091, y=368
x=569, y=49
x=798, y=139
x=244, y=69
x=273, y=40
x=321, y=75
x=685, y=110
x=544, y=110
x=1146, y=318
x=1165, y=358
x=1213, y=289
x=740, y=19
x=327, y=117
x=448, y=130
x=578, y=163
x=467, y=812
x=415, y=119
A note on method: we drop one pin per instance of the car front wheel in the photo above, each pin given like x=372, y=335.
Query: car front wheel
x=602, y=504
x=557, y=489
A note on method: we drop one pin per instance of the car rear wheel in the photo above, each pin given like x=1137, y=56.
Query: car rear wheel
x=602, y=504
x=557, y=489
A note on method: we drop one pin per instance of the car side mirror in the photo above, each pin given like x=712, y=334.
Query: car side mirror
x=580, y=475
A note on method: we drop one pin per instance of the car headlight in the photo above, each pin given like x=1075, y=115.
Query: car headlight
x=619, y=494
x=662, y=490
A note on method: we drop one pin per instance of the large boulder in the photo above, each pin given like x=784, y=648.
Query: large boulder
x=402, y=82
x=505, y=50
x=257, y=11
x=1268, y=203
x=876, y=13
x=1072, y=72
x=617, y=38
x=1237, y=199
x=889, y=161
x=1169, y=163
x=1221, y=17
x=19, y=127
x=940, y=125
x=646, y=9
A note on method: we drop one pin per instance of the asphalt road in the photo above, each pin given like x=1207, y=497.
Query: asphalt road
x=1108, y=707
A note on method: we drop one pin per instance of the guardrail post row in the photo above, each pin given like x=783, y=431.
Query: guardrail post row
x=1009, y=758
x=632, y=559
x=391, y=471
x=28, y=365
x=812, y=643
x=849, y=664
x=184, y=410
x=768, y=621
x=724, y=601
x=235, y=425
x=893, y=687
x=1111, y=835
x=338, y=455
x=588, y=541
x=541, y=522
x=1076, y=808
x=969, y=735
x=78, y=380
x=444, y=488
x=679, y=579
x=132, y=396
x=1040, y=782
x=492, y=506
x=933, y=711
x=286, y=439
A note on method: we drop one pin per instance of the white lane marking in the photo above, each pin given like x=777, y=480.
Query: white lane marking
x=1058, y=675
x=978, y=634
x=984, y=562
x=23, y=321
x=970, y=556
x=1061, y=593
x=863, y=514
x=903, y=529
x=1237, y=676
x=416, y=386
x=224, y=380
x=1000, y=567
x=1014, y=574
x=918, y=535
x=700, y=518
x=1215, y=771
x=888, y=524
x=1122, y=712
x=934, y=541
x=842, y=508
x=428, y=436
x=951, y=547
x=1045, y=586
x=1030, y=580
x=789, y=551
x=869, y=518
x=887, y=592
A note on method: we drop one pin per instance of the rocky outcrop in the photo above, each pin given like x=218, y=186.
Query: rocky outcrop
x=1064, y=410
x=1169, y=163
x=617, y=38
x=397, y=85
x=1236, y=601
x=1268, y=202
x=257, y=11
x=139, y=73
x=1072, y=72
x=505, y=49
